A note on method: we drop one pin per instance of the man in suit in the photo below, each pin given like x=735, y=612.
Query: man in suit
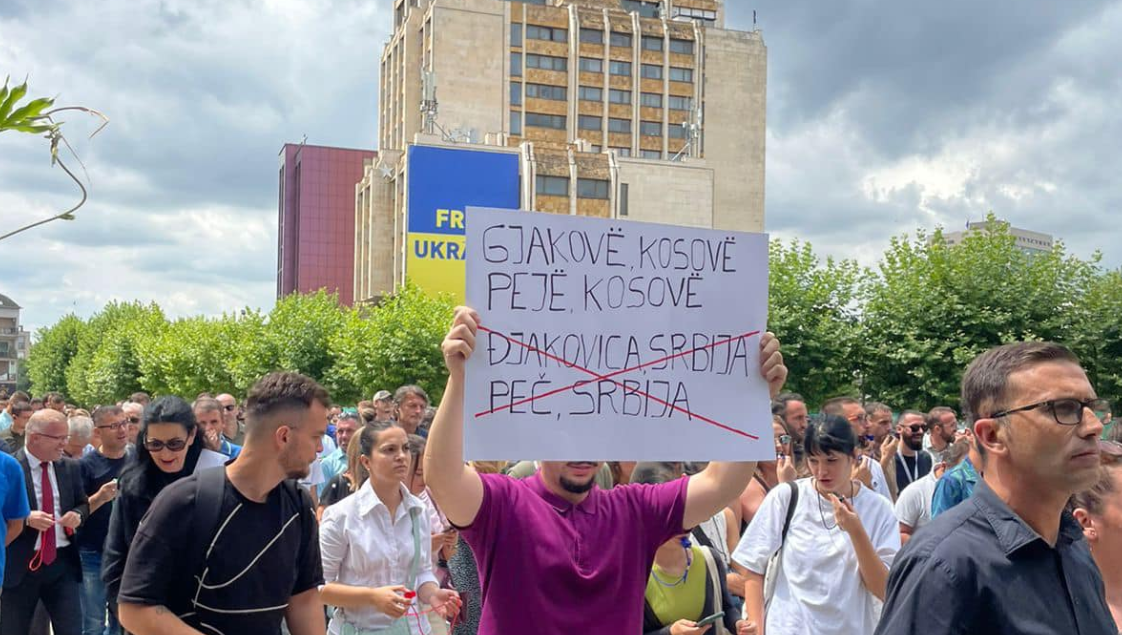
x=43, y=563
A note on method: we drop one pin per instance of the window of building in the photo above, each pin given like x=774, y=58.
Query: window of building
x=592, y=36
x=652, y=71
x=681, y=74
x=544, y=91
x=623, y=152
x=541, y=2
x=650, y=128
x=597, y=149
x=619, y=96
x=547, y=62
x=622, y=126
x=621, y=68
x=516, y=34
x=685, y=47
x=552, y=185
x=645, y=8
x=623, y=192
x=592, y=188
x=680, y=103
x=696, y=14
x=515, y=94
x=516, y=122
x=591, y=65
x=678, y=131
x=590, y=122
x=589, y=93
x=652, y=43
x=557, y=122
x=651, y=154
x=516, y=65
x=547, y=33
x=651, y=100
x=621, y=39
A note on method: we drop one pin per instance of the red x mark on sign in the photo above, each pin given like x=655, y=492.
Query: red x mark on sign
x=598, y=377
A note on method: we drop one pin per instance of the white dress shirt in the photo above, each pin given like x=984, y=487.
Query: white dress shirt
x=37, y=478
x=362, y=546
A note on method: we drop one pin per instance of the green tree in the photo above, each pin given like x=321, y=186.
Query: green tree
x=51, y=353
x=186, y=358
x=813, y=310
x=106, y=367
x=935, y=307
x=397, y=343
x=1096, y=333
x=297, y=333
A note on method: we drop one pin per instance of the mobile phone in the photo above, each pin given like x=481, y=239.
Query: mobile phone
x=711, y=619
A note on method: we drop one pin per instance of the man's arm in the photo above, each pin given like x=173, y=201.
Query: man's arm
x=140, y=619
x=456, y=487
x=721, y=482
x=304, y=614
x=15, y=528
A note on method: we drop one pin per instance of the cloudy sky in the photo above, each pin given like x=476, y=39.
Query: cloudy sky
x=883, y=116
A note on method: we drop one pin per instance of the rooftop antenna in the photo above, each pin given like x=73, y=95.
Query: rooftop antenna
x=429, y=105
x=693, y=134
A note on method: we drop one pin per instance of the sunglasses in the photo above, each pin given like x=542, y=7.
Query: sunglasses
x=784, y=439
x=134, y=420
x=229, y=408
x=915, y=428
x=175, y=445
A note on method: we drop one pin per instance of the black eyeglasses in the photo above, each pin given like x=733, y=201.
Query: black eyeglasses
x=175, y=445
x=113, y=426
x=1067, y=412
x=229, y=408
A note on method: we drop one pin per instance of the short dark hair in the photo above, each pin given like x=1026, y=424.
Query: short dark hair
x=401, y=393
x=936, y=413
x=830, y=433
x=207, y=404
x=651, y=473
x=281, y=392
x=779, y=406
x=53, y=397
x=985, y=385
x=101, y=412
x=874, y=407
x=909, y=411
x=834, y=406
x=20, y=407
x=19, y=396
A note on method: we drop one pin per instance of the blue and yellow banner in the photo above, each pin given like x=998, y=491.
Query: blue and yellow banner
x=443, y=182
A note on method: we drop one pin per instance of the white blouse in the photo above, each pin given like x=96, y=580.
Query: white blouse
x=362, y=546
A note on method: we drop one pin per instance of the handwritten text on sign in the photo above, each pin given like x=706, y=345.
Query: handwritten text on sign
x=614, y=340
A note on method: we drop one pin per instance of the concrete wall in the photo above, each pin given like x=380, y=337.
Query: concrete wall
x=671, y=193
x=735, y=126
x=469, y=56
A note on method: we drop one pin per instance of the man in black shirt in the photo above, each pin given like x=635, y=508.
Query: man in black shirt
x=100, y=470
x=260, y=562
x=1010, y=559
x=912, y=463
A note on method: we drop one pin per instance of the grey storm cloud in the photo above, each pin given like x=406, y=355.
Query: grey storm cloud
x=883, y=117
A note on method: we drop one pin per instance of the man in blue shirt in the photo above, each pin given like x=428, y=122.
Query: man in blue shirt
x=1012, y=559
x=335, y=463
x=956, y=485
x=13, y=497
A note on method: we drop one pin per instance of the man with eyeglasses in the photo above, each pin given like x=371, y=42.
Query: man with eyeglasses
x=100, y=470
x=1012, y=559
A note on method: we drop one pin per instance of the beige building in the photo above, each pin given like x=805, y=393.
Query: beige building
x=1028, y=241
x=14, y=344
x=638, y=109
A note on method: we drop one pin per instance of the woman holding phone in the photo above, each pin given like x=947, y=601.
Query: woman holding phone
x=840, y=531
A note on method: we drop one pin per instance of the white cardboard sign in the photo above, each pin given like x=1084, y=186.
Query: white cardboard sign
x=614, y=340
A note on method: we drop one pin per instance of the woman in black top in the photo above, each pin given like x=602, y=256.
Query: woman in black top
x=168, y=448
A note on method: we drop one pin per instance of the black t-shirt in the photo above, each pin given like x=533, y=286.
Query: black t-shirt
x=908, y=471
x=97, y=470
x=164, y=548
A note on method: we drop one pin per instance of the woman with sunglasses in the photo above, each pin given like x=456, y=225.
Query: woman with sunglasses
x=1099, y=511
x=833, y=562
x=168, y=448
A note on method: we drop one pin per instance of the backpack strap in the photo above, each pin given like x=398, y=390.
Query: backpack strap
x=794, y=502
x=210, y=485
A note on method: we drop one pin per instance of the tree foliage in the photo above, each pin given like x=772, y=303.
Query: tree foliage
x=56, y=345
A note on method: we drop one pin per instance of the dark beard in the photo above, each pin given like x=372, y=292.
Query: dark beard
x=914, y=446
x=577, y=488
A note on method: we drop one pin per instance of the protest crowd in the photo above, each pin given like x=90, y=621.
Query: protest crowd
x=283, y=512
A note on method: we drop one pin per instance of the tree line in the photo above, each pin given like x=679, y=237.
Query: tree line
x=902, y=332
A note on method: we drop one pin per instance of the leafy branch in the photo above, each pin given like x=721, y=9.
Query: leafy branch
x=37, y=117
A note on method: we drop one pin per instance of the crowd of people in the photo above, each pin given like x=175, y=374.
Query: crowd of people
x=282, y=512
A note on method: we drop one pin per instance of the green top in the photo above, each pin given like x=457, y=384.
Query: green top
x=682, y=601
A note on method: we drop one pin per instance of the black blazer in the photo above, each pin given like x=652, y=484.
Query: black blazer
x=71, y=497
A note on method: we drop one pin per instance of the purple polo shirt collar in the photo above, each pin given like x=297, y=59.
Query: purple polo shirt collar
x=588, y=505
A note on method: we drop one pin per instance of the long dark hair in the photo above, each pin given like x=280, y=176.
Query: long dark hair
x=142, y=477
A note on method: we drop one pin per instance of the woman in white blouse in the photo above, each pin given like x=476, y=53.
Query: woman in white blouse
x=376, y=548
x=832, y=571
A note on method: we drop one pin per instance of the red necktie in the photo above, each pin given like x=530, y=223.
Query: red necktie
x=47, y=548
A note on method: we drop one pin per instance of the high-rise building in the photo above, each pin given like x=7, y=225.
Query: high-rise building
x=14, y=344
x=638, y=109
x=316, y=218
x=1027, y=241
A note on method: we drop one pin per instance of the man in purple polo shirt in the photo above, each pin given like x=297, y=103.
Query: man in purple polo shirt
x=557, y=555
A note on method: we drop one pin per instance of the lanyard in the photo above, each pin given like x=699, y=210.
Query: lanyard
x=913, y=475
